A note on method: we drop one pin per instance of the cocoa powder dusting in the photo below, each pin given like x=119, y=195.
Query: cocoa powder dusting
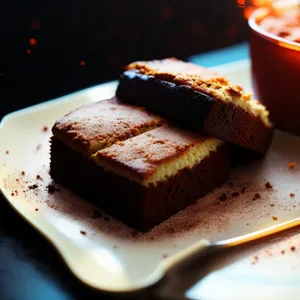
x=293, y=248
x=97, y=214
x=36, y=209
x=171, y=230
x=235, y=194
x=134, y=233
x=45, y=129
x=6, y=152
x=82, y=232
x=223, y=197
x=22, y=173
x=256, y=196
x=292, y=194
x=292, y=165
x=255, y=260
x=51, y=189
x=282, y=252
x=275, y=218
x=33, y=187
x=269, y=185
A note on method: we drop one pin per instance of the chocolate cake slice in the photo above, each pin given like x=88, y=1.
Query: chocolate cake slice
x=199, y=99
x=141, y=177
x=88, y=129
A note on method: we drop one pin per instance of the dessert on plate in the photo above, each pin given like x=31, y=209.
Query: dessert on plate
x=133, y=164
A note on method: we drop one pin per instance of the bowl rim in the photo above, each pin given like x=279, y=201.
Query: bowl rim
x=262, y=12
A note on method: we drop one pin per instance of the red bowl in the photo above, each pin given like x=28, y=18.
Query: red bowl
x=276, y=72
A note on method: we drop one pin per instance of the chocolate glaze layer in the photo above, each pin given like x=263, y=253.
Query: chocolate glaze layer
x=194, y=110
x=137, y=206
x=178, y=103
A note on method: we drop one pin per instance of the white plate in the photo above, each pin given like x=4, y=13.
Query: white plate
x=111, y=258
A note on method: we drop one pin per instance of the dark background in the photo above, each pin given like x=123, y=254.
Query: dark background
x=50, y=48
x=76, y=44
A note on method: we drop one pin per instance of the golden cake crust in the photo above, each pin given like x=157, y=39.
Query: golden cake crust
x=169, y=68
x=153, y=156
x=99, y=125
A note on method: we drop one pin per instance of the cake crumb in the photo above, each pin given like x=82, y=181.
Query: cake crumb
x=275, y=218
x=235, y=194
x=255, y=260
x=12, y=194
x=38, y=177
x=223, y=197
x=97, y=214
x=6, y=152
x=282, y=251
x=272, y=204
x=22, y=173
x=51, y=189
x=256, y=196
x=33, y=187
x=293, y=248
x=292, y=165
x=45, y=128
x=269, y=185
x=83, y=232
x=36, y=209
x=17, y=180
x=292, y=194
x=171, y=230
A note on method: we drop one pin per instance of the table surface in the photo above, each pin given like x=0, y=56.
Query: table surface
x=29, y=267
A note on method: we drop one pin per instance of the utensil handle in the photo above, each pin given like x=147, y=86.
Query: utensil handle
x=181, y=269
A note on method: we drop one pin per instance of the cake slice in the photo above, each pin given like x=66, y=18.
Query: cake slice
x=88, y=129
x=98, y=125
x=132, y=165
x=154, y=175
x=199, y=99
